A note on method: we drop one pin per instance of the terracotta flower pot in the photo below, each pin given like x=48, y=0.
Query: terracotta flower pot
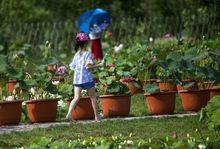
x=167, y=86
x=10, y=112
x=150, y=81
x=194, y=100
x=10, y=86
x=214, y=91
x=42, y=110
x=161, y=102
x=204, y=85
x=134, y=89
x=116, y=105
x=193, y=87
x=83, y=109
x=58, y=78
x=50, y=67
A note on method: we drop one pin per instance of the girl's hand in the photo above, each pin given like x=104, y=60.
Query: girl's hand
x=110, y=65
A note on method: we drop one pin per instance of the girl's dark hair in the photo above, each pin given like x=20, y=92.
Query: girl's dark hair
x=79, y=44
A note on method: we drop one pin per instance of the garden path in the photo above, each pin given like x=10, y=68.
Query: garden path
x=29, y=127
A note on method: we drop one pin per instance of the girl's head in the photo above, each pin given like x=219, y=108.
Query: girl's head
x=80, y=40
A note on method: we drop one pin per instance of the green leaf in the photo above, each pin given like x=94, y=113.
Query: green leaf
x=3, y=64
x=31, y=82
x=151, y=87
x=110, y=79
x=1, y=48
x=136, y=84
x=216, y=117
x=190, y=84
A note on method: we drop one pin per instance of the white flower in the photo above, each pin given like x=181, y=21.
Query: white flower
x=129, y=142
x=151, y=39
x=61, y=103
x=14, y=91
x=9, y=98
x=55, y=82
x=84, y=142
x=118, y=48
x=33, y=91
x=23, y=103
x=201, y=146
x=84, y=92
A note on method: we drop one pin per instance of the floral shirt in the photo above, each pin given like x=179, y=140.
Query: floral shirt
x=78, y=64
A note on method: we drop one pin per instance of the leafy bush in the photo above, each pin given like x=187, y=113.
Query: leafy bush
x=211, y=113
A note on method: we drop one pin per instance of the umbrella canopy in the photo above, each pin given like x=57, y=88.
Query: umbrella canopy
x=94, y=21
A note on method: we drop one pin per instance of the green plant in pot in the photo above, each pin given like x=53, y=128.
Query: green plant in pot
x=66, y=91
x=3, y=70
x=10, y=104
x=140, y=62
x=116, y=99
x=43, y=96
x=162, y=101
x=110, y=78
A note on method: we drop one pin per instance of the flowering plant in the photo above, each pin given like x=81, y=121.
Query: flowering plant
x=110, y=78
x=40, y=84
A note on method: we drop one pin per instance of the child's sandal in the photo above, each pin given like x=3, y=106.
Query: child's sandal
x=69, y=119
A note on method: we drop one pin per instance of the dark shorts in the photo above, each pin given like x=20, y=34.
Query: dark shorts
x=86, y=85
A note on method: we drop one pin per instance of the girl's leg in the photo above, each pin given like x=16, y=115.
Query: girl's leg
x=77, y=96
x=92, y=94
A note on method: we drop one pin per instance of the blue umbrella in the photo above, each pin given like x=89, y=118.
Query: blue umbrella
x=94, y=21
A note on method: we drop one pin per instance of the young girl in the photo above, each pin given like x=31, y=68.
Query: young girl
x=82, y=64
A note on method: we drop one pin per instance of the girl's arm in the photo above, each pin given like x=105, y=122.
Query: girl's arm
x=91, y=66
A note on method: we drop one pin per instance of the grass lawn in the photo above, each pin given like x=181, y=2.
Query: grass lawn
x=140, y=129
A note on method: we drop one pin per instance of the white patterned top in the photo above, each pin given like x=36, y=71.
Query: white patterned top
x=78, y=64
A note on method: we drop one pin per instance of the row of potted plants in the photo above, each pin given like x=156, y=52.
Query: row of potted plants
x=142, y=64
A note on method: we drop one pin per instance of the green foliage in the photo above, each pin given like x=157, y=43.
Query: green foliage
x=65, y=90
x=211, y=113
x=41, y=83
x=150, y=88
x=110, y=78
x=120, y=142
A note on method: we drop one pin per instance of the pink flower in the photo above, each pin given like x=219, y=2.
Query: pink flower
x=126, y=79
x=61, y=70
x=110, y=34
x=168, y=35
x=111, y=65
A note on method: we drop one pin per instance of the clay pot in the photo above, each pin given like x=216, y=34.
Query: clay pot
x=42, y=110
x=150, y=81
x=58, y=78
x=194, y=100
x=193, y=87
x=10, y=112
x=83, y=109
x=134, y=89
x=161, y=102
x=10, y=86
x=214, y=91
x=167, y=86
x=116, y=105
x=204, y=85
